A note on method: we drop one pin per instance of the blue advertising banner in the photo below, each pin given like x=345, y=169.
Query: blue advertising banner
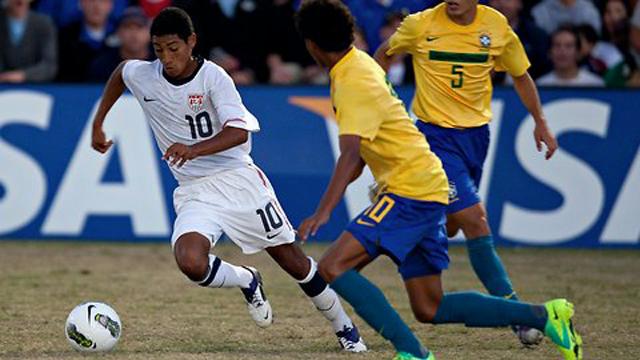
x=54, y=186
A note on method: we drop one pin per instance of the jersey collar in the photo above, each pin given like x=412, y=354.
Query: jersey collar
x=178, y=82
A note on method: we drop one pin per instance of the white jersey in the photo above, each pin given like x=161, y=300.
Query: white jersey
x=191, y=111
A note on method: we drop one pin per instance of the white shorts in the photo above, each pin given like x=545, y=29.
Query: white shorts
x=239, y=203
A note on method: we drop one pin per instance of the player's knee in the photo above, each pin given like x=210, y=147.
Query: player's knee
x=452, y=228
x=475, y=225
x=328, y=269
x=426, y=312
x=192, y=263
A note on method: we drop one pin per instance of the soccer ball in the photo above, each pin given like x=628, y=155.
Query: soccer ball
x=530, y=337
x=93, y=326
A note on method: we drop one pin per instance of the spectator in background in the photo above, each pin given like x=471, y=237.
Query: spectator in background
x=635, y=34
x=565, y=54
x=65, y=12
x=360, y=39
x=550, y=14
x=153, y=7
x=233, y=34
x=370, y=14
x=288, y=59
x=401, y=70
x=601, y=57
x=533, y=38
x=616, y=24
x=28, y=45
x=134, y=42
x=81, y=41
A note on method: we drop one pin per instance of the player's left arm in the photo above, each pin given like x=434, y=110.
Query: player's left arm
x=513, y=59
x=349, y=166
x=178, y=154
x=526, y=89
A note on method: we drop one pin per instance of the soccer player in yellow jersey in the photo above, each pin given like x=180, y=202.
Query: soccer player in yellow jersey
x=455, y=46
x=407, y=222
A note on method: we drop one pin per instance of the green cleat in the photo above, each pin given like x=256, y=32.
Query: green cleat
x=407, y=356
x=560, y=330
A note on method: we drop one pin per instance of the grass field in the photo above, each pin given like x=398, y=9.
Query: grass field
x=166, y=317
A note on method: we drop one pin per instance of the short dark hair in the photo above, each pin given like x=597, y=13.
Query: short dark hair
x=571, y=30
x=328, y=23
x=172, y=21
x=588, y=32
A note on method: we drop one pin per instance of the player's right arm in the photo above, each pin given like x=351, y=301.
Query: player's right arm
x=347, y=169
x=401, y=42
x=113, y=89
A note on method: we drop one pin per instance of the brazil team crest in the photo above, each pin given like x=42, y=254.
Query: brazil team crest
x=485, y=40
x=196, y=102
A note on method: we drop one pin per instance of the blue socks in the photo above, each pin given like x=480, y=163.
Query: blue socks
x=488, y=267
x=478, y=310
x=369, y=302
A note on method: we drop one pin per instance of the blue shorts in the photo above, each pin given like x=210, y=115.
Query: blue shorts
x=411, y=232
x=462, y=153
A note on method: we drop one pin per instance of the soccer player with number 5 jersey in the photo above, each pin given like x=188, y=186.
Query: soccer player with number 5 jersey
x=407, y=221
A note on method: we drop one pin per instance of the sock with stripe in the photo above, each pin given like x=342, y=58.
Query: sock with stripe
x=325, y=299
x=221, y=274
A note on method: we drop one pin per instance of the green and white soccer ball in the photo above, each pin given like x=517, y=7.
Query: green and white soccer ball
x=93, y=326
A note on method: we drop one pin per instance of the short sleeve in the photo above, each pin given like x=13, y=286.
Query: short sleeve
x=128, y=73
x=228, y=104
x=513, y=58
x=356, y=111
x=404, y=39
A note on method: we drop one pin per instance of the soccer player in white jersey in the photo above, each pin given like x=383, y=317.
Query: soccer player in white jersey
x=204, y=131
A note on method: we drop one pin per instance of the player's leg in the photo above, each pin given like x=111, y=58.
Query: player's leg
x=337, y=267
x=482, y=253
x=462, y=154
x=474, y=309
x=304, y=270
x=197, y=227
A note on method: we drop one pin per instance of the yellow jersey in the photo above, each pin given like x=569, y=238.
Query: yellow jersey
x=391, y=145
x=453, y=63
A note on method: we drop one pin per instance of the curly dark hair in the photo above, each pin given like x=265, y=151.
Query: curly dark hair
x=172, y=21
x=328, y=23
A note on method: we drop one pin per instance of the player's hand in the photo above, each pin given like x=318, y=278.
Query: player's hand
x=311, y=225
x=178, y=154
x=99, y=141
x=542, y=134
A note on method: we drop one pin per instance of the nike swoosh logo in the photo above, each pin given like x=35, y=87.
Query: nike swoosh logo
x=266, y=317
x=89, y=308
x=365, y=223
x=274, y=235
x=432, y=38
x=148, y=100
x=555, y=314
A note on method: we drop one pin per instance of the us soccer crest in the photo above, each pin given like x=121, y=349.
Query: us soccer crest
x=196, y=102
x=485, y=40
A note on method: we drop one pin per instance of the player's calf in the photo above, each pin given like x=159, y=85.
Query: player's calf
x=207, y=270
x=304, y=270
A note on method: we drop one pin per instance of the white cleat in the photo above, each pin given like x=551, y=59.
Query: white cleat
x=350, y=340
x=257, y=303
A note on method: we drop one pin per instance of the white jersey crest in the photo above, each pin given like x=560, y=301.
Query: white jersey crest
x=191, y=111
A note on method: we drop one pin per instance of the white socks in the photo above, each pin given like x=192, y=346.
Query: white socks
x=221, y=274
x=325, y=299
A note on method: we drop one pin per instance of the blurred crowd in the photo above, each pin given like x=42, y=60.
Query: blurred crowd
x=569, y=42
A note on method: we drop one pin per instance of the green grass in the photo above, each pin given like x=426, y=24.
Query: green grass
x=167, y=317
